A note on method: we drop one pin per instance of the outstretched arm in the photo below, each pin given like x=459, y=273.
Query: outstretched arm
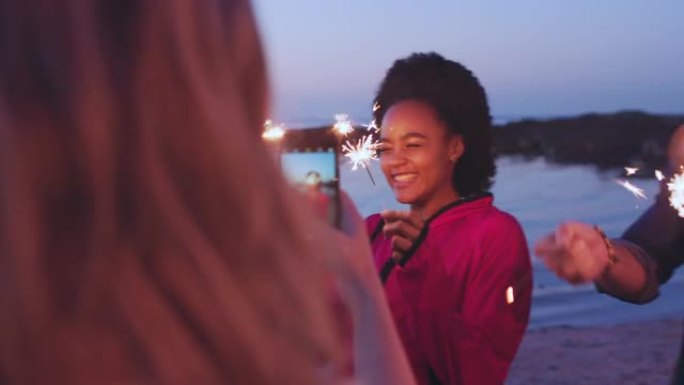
x=633, y=267
x=379, y=356
x=578, y=253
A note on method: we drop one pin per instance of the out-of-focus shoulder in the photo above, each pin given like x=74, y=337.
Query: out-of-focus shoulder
x=495, y=218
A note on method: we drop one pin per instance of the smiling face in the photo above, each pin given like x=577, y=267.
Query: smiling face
x=417, y=156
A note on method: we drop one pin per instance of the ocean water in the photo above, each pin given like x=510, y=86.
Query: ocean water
x=541, y=195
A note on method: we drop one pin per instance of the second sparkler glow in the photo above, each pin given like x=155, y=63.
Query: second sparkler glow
x=676, y=188
x=343, y=125
x=273, y=132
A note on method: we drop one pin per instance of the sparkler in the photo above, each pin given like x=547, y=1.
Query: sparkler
x=638, y=192
x=273, y=132
x=343, y=125
x=376, y=106
x=361, y=153
x=631, y=170
x=676, y=187
x=659, y=175
x=372, y=126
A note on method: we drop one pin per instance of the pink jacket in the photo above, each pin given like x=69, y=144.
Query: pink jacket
x=461, y=301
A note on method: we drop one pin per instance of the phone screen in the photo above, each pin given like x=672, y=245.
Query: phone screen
x=310, y=162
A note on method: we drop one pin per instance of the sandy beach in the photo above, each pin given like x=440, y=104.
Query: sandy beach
x=641, y=353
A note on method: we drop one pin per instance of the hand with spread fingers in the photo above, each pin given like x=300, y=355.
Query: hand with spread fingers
x=403, y=228
x=575, y=252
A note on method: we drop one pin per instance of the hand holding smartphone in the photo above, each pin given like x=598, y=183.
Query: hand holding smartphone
x=309, y=159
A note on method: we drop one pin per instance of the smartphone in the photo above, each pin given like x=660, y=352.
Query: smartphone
x=310, y=161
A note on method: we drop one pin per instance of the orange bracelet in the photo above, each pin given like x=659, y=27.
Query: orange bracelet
x=609, y=245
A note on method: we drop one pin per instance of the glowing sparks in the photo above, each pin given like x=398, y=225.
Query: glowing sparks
x=362, y=153
x=676, y=187
x=659, y=175
x=376, y=106
x=631, y=170
x=273, y=132
x=343, y=125
x=372, y=126
x=510, y=296
x=638, y=192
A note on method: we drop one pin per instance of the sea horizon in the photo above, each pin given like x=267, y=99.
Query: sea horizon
x=303, y=122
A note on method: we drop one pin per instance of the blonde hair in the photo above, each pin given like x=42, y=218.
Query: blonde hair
x=145, y=233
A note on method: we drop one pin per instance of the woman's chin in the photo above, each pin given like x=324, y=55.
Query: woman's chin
x=404, y=199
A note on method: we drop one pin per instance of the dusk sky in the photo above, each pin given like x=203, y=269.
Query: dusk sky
x=535, y=58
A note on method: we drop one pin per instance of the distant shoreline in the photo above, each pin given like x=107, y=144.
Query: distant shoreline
x=626, y=138
x=605, y=140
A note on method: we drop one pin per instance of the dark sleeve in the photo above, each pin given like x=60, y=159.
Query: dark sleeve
x=652, y=288
x=659, y=234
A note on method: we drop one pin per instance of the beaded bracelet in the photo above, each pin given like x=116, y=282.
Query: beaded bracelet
x=609, y=245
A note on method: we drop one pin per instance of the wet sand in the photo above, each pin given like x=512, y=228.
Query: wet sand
x=626, y=354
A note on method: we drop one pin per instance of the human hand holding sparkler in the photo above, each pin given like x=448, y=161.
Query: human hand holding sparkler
x=625, y=268
x=403, y=228
x=576, y=252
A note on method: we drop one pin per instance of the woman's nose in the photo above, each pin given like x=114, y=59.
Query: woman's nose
x=394, y=158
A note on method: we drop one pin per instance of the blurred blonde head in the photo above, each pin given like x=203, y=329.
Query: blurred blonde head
x=145, y=234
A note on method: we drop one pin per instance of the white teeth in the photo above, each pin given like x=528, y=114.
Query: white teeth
x=404, y=177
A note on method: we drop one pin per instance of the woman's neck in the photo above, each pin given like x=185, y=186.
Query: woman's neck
x=428, y=209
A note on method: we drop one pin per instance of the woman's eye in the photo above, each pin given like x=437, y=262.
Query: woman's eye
x=413, y=145
x=381, y=150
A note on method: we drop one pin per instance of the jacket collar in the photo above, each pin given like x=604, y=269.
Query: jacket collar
x=460, y=208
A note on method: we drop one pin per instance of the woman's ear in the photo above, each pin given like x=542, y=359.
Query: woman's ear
x=456, y=148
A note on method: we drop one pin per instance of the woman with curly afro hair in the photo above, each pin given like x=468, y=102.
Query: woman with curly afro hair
x=456, y=269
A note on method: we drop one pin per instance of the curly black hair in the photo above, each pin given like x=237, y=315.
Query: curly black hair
x=460, y=103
